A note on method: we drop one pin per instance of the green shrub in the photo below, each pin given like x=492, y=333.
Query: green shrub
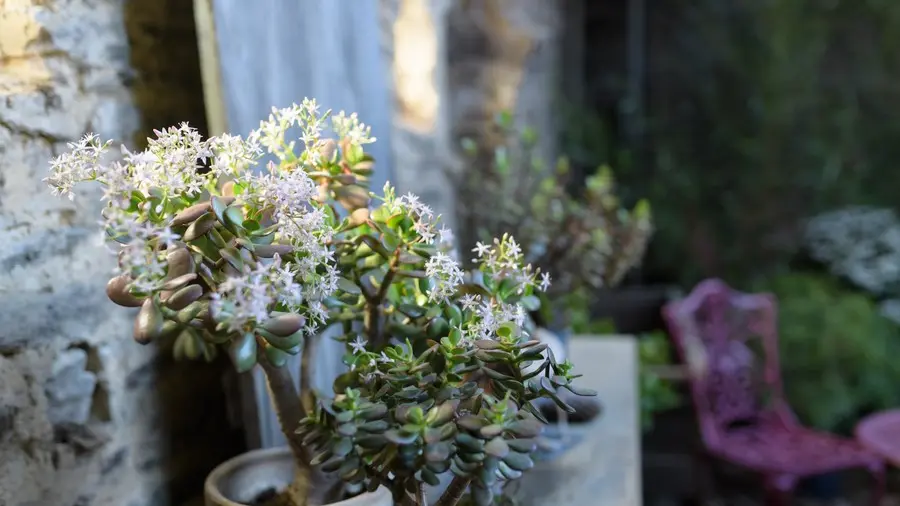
x=839, y=356
x=657, y=394
x=758, y=115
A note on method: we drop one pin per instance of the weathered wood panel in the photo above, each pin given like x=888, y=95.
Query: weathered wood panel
x=275, y=52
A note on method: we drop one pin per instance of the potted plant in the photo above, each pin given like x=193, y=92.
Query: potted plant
x=587, y=238
x=218, y=255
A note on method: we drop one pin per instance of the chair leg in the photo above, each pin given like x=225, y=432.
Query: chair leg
x=780, y=489
x=704, y=480
x=878, y=473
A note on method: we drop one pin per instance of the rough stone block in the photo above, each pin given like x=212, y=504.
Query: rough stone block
x=70, y=388
x=81, y=419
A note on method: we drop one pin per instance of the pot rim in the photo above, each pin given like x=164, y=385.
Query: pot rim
x=212, y=491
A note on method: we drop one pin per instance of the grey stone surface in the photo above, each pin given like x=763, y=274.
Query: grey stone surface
x=70, y=388
x=604, y=467
x=86, y=415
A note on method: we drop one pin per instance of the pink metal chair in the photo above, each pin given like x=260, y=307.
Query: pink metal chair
x=729, y=342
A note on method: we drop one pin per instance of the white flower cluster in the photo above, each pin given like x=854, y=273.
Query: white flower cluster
x=79, y=164
x=349, y=127
x=289, y=195
x=140, y=257
x=445, y=274
x=251, y=296
x=424, y=219
x=504, y=260
x=488, y=316
x=169, y=164
x=232, y=155
x=272, y=134
x=859, y=243
x=167, y=174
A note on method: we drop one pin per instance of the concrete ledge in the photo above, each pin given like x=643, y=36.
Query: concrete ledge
x=604, y=468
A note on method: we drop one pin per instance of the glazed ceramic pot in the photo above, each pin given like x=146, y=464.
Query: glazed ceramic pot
x=239, y=481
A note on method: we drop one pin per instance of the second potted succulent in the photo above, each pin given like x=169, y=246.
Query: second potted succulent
x=586, y=238
x=442, y=373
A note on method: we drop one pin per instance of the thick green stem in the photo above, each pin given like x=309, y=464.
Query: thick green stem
x=287, y=405
x=373, y=320
x=454, y=491
x=310, y=487
x=306, y=387
x=372, y=323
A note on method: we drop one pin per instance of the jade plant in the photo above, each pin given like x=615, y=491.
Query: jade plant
x=220, y=253
x=588, y=239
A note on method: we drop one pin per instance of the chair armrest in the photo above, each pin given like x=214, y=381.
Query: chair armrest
x=784, y=413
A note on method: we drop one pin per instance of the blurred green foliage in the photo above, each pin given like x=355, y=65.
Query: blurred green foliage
x=657, y=394
x=758, y=115
x=582, y=235
x=839, y=356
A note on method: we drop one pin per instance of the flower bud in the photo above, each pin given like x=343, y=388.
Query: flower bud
x=327, y=149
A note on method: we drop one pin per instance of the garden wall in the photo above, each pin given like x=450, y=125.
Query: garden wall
x=86, y=415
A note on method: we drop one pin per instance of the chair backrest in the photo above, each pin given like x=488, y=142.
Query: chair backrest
x=716, y=330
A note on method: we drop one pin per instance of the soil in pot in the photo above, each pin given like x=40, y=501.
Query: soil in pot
x=271, y=497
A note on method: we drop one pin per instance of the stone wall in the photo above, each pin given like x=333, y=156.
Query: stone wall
x=87, y=417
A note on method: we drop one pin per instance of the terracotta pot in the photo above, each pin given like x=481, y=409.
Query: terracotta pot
x=238, y=481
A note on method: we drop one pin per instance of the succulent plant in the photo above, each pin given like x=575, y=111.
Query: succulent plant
x=220, y=255
x=587, y=240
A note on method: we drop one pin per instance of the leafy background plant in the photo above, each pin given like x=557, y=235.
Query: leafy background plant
x=758, y=115
x=838, y=354
x=572, y=225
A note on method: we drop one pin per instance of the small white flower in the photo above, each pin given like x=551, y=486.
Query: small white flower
x=358, y=345
x=351, y=128
x=445, y=274
x=545, y=281
x=469, y=301
x=384, y=359
x=512, y=248
x=481, y=249
x=445, y=236
x=78, y=165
